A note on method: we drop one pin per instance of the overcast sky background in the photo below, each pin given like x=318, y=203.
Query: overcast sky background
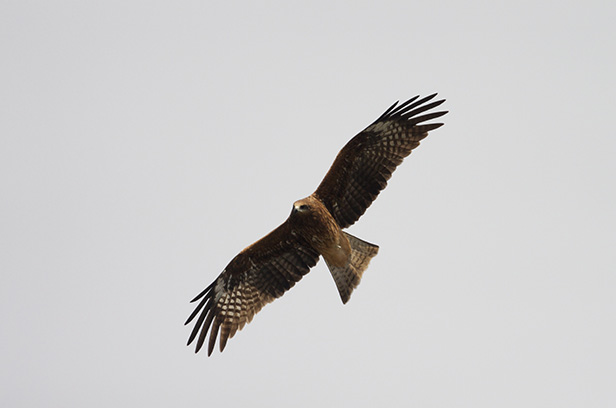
x=144, y=144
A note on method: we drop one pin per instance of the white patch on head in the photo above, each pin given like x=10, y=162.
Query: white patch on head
x=302, y=203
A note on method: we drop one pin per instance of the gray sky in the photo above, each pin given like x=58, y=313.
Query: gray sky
x=144, y=144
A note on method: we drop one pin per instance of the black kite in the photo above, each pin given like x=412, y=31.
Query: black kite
x=268, y=268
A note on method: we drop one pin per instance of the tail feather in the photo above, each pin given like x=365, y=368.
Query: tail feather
x=348, y=277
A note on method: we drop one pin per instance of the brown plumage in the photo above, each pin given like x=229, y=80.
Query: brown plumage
x=268, y=268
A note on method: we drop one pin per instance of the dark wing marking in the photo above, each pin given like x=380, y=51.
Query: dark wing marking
x=364, y=165
x=256, y=276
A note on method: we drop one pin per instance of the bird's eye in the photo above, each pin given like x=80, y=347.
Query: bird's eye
x=304, y=207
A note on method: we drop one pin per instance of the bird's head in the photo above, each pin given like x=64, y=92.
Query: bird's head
x=302, y=207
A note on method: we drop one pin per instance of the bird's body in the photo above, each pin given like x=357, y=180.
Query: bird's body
x=268, y=268
x=311, y=220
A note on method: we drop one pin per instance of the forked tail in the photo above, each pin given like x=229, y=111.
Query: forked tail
x=348, y=277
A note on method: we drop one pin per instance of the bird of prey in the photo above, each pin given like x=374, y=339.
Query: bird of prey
x=268, y=268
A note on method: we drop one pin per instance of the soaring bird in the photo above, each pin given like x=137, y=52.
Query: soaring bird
x=268, y=268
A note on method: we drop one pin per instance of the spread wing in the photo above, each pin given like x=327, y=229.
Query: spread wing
x=364, y=165
x=259, y=274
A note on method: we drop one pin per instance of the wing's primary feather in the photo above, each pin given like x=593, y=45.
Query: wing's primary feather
x=365, y=164
x=256, y=276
